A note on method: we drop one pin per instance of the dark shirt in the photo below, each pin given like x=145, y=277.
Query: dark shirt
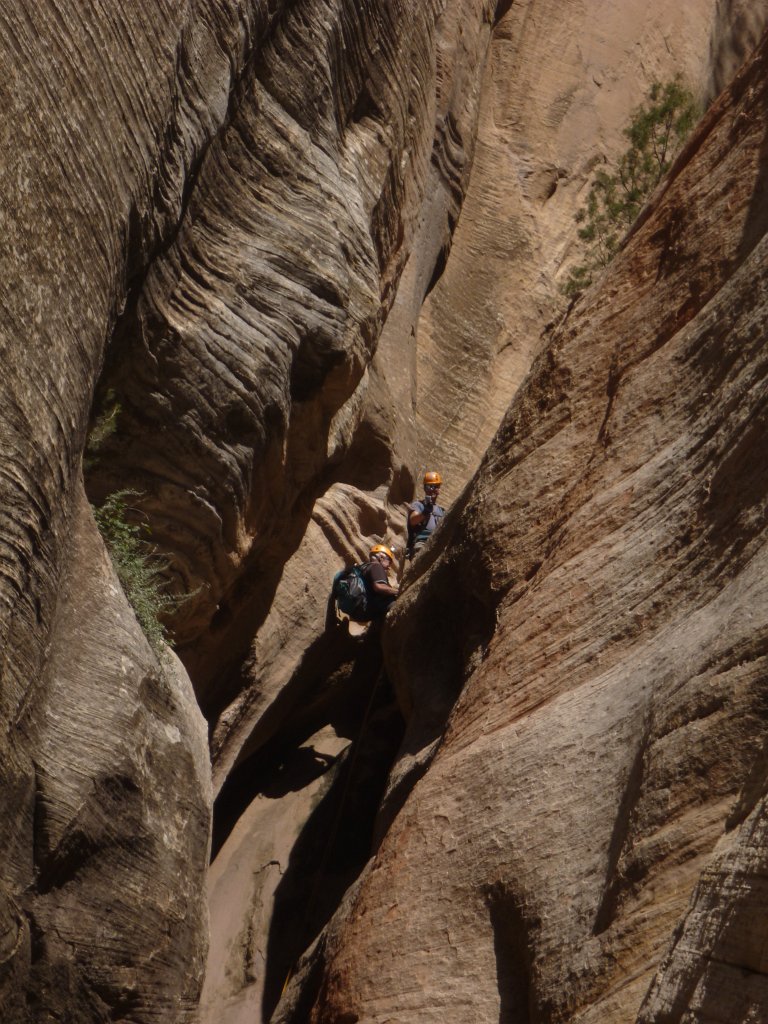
x=377, y=603
x=376, y=573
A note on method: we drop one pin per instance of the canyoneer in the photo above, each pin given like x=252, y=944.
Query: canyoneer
x=424, y=516
x=363, y=592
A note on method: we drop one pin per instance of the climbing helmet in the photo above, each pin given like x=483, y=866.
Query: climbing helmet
x=382, y=549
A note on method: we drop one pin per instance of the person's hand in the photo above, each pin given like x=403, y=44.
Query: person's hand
x=429, y=504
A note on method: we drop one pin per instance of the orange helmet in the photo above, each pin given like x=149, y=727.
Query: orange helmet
x=432, y=479
x=382, y=549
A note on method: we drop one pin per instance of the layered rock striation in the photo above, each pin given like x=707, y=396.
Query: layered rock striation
x=591, y=814
x=264, y=261
x=106, y=788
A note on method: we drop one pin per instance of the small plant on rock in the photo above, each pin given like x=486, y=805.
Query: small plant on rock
x=103, y=427
x=656, y=133
x=138, y=567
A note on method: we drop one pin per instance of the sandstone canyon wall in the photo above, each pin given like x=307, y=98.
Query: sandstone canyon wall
x=592, y=816
x=297, y=251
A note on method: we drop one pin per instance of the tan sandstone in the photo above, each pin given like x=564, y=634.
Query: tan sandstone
x=597, y=797
x=267, y=235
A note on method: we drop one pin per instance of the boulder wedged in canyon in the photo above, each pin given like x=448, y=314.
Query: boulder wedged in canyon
x=604, y=761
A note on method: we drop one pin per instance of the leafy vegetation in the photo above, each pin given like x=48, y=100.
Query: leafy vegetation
x=102, y=428
x=655, y=133
x=138, y=568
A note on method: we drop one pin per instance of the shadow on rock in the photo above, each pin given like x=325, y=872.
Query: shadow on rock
x=336, y=841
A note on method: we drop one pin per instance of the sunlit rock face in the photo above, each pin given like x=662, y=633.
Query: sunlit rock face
x=593, y=815
x=558, y=88
x=292, y=253
x=207, y=210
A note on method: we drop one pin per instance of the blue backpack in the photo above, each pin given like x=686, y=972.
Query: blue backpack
x=349, y=591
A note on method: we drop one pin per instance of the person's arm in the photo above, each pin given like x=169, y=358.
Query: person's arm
x=418, y=518
x=384, y=588
x=380, y=581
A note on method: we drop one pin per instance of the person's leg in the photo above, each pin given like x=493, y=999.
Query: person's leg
x=379, y=604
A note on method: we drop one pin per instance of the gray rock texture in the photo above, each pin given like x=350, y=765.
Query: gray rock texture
x=106, y=784
x=104, y=881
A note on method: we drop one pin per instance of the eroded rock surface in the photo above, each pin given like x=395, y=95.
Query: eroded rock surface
x=292, y=252
x=553, y=104
x=245, y=878
x=604, y=762
x=479, y=285
x=110, y=866
x=106, y=792
x=257, y=326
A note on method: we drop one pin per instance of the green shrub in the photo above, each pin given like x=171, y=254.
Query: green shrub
x=103, y=426
x=656, y=133
x=138, y=568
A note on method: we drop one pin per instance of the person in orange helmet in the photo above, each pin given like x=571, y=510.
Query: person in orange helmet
x=363, y=592
x=381, y=593
x=424, y=516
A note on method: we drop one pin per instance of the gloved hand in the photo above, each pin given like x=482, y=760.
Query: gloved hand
x=429, y=504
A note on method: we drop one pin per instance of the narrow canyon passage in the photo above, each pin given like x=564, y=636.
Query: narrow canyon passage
x=266, y=263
